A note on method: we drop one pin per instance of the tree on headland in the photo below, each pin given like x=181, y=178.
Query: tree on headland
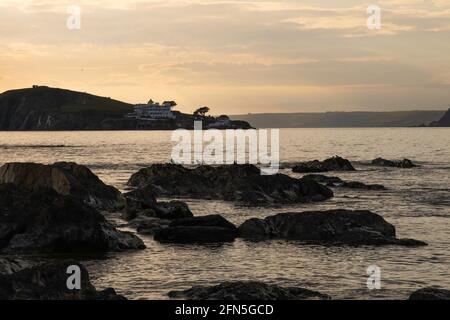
x=201, y=112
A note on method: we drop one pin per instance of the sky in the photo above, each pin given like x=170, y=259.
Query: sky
x=234, y=56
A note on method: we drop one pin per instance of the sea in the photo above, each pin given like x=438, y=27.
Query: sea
x=417, y=202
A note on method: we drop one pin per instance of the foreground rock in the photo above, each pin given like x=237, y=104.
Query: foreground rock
x=338, y=182
x=430, y=294
x=332, y=164
x=326, y=227
x=49, y=282
x=66, y=178
x=241, y=183
x=147, y=215
x=45, y=221
x=146, y=222
x=205, y=229
x=250, y=290
x=148, y=225
x=405, y=163
x=143, y=199
x=10, y=266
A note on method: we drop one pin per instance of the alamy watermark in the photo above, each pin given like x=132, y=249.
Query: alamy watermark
x=374, y=279
x=216, y=147
x=374, y=20
x=74, y=20
x=74, y=280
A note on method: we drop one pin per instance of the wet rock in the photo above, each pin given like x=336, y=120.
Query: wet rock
x=9, y=266
x=361, y=185
x=149, y=216
x=240, y=183
x=172, y=210
x=43, y=221
x=148, y=225
x=66, y=178
x=332, y=164
x=329, y=181
x=162, y=210
x=205, y=229
x=359, y=227
x=138, y=200
x=49, y=282
x=247, y=290
x=405, y=163
x=213, y=220
x=143, y=199
x=338, y=182
x=430, y=293
x=195, y=235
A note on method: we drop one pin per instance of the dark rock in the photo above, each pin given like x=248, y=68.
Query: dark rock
x=247, y=290
x=138, y=200
x=361, y=185
x=172, y=210
x=241, y=183
x=338, y=182
x=144, y=199
x=195, y=235
x=148, y=225
x=205, y=229
x=332, y=164
x=49, y=282
x=45, y=221
x=152, y=228
x=162, y=210
x=214, y=220
x=9, y=266
x=405, y=163
x=430, y=294
x=329, y=181
x=326, y=227
x=66, y=178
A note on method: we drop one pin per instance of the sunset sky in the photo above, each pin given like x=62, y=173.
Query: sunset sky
x=234, y=56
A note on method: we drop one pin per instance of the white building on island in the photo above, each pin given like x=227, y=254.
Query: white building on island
x=154, y=110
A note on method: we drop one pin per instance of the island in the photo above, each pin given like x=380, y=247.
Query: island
x=42, y=108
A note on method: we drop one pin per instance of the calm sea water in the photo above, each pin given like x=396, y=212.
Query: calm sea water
x=417, y=202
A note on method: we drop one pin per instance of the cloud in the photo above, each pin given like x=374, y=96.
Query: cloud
x=178, y=47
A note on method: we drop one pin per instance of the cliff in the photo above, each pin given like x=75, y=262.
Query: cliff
x=443, y=122
x=44, y=108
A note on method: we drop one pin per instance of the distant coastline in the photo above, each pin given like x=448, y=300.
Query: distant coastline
x=361, y=119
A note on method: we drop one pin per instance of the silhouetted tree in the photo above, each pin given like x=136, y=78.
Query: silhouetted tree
x=201, y=111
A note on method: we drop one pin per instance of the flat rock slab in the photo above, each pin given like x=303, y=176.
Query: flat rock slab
x=204, y=229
